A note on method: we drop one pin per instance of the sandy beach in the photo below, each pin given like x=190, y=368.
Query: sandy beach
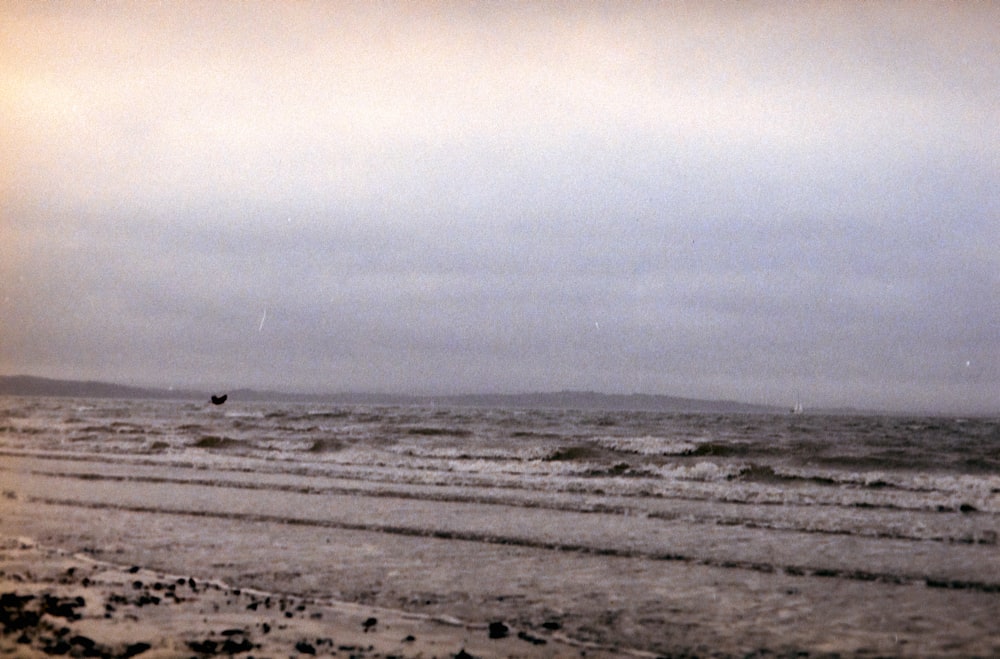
x=56, y=603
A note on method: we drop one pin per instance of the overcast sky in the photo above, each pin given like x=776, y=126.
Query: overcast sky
x=749, y=201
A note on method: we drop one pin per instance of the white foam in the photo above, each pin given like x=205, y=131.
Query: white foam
x=648, y=445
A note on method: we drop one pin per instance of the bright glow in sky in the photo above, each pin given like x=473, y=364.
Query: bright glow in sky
x=749, y=201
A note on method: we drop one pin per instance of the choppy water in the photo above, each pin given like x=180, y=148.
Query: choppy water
x=882, y=500
x=907, y=464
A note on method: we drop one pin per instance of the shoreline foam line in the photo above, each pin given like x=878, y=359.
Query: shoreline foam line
x=891, y=578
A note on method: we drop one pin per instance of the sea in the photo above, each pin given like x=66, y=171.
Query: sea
x=654, y=533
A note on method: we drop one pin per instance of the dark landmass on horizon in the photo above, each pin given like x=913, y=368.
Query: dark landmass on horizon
x=26, y=385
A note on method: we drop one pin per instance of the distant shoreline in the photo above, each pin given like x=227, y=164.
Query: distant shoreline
x=27, y=385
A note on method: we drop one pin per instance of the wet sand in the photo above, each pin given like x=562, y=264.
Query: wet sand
x=52, y=602
x=441, y=579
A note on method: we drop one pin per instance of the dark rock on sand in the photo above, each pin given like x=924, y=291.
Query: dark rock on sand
x=62, y=607
x=369, y=623
x=232, y=646
x=53, y=646
x=534, y=640
x=499, y=630
x=13, y=616
x=208, y=646
x=147, y=599
x=134, y=649
x=304, y=648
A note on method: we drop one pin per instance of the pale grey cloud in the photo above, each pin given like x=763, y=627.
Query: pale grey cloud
x=712, y=199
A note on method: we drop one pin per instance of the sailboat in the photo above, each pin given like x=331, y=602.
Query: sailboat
x=797, y=408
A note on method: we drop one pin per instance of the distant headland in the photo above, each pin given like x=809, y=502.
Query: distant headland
x=26, y=385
